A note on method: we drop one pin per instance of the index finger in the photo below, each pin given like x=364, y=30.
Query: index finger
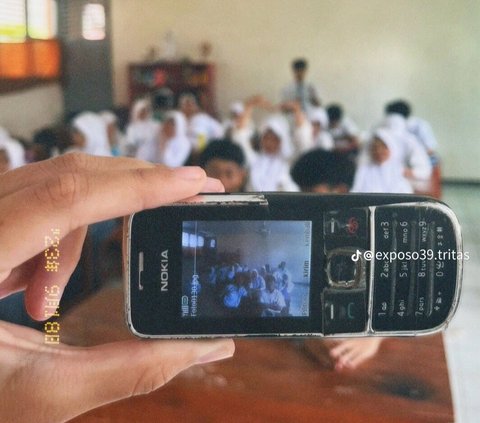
x=71, y=200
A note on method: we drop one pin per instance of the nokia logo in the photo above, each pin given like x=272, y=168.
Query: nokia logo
x=164, y=271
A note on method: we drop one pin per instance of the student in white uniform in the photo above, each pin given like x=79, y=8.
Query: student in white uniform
x=90, y=134
x=419, y=127
x=142, y=131
x=242, y=129
x=225, y=160
x=117, y=140
x=344, y=131
x=201, y=127
x=383, y=170
x=318, y=117
x=236, y=110
x=270, y=168
x=411, y=153
x=300, y=90
x=173, y=147
x=311, y=129
x=12, y=148
x=271, y=299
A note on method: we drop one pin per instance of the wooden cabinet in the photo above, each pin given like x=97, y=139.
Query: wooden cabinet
x=197, y=78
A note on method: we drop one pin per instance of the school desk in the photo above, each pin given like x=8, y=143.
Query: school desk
x=275, y=380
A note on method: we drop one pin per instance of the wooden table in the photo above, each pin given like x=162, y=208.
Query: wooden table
x=276, y=381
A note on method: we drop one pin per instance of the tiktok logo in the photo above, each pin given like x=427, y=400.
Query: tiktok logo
x=356, y=255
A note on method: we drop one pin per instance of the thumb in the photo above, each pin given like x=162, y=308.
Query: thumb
x=111, y=372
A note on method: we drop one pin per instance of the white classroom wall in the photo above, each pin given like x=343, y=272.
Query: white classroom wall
x=362, y=53
x=24, y=112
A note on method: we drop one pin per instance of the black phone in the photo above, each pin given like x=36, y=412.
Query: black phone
x=293, y=264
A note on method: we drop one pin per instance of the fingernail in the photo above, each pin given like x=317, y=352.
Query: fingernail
x=189, y=172
x=213, y=185
x=215, y=355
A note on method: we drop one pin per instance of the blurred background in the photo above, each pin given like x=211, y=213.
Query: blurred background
x=63, y=59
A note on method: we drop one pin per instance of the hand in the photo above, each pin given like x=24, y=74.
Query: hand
x=57, y=383
x=290, y=106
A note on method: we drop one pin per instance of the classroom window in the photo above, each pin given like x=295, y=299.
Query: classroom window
x=42, y=19
x=29, y=50
x=13, y=21
x=93, y=22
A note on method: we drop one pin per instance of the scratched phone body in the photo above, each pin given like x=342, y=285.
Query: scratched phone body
x=293, y=265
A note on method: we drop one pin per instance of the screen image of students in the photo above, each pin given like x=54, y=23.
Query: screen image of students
x=271, y=299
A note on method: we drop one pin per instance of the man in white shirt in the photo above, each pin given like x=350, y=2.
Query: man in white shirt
x=304, y=92
x=418, y=127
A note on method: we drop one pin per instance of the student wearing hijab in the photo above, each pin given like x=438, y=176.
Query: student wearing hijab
x=142, y=130
x=383, y=170
x=116, y=139
x=410, y=152
x=329, y=173
x=310, y=130
x=173, y=146
x=201, y=127
x=318, y=118
x=241, y=129
x=270, y=168
x=236, y=110
x=13, y=148
x=90, y=134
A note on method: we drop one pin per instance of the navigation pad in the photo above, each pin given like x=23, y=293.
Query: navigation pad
x=345, y=298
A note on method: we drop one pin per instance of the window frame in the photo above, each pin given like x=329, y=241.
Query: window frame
x=13, y=84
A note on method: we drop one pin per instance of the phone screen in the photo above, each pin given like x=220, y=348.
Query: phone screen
x=246, y=268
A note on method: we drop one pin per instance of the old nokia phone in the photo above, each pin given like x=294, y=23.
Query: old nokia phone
x=292, y=264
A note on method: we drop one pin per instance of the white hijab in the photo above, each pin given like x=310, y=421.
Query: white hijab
x=142, y=134
x=324, y=139
x=279, y=126
x=411, y=152
x=319, y=114
x=94, y=129
x=386, y=177
x=272, y=172
x=14, y=150
x=138, y=107
x=108, y=117
x=177, y=148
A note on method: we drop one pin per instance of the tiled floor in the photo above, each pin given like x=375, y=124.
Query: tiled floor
x=462, y=339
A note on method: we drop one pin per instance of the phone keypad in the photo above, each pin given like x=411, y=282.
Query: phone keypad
x=414, y=265
x=415, y=268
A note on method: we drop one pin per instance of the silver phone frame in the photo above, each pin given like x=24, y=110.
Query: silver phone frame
x=239, y=199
